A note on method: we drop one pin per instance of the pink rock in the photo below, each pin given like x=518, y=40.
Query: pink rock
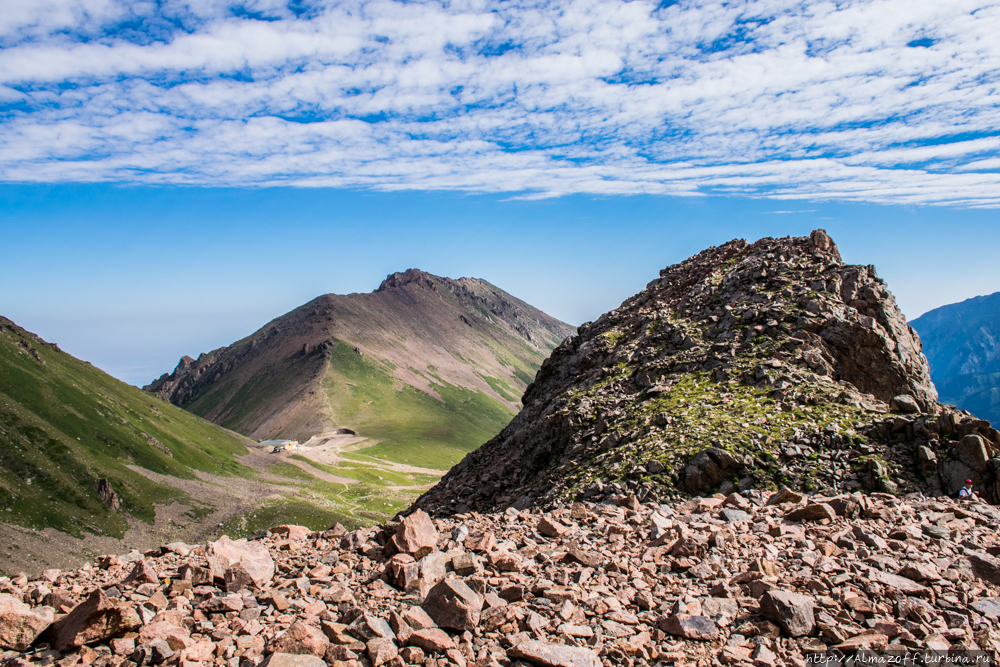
x=433, y=640
x=484, y=542
x=142, y=573
x=551, y=528
x=300, y=639
x=700, y=628
x=546, y=654
x=403, y=570
x=199, y=652
x=452, y=604
x=381, y=651
x=253, y=556
x=19, y=624
x=96, y=619
x=793, y=612
x=178, y=638
x=417, y=535
x=294, y=533
x=505, y=561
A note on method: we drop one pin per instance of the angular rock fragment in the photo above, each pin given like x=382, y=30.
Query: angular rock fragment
x=300, y=638
x=699, y=628
x=901, y=584
x=292, y=660
x=97, y=619
x=791, y=611
x=985, y=566
x=254, y=558
x=546, y=654
x=432, y=640
x=20, y=624
x=416, y=535
x=812, y=512
x=453, y=605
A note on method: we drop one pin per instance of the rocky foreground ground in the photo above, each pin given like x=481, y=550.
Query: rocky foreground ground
x=749, y=579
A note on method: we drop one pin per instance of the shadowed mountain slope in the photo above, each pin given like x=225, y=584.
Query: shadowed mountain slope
x=422, y=363
x=962, y=343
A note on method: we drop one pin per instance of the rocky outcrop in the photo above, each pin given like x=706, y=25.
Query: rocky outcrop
x=581, y=585
x=108, y=495
x=748, y=365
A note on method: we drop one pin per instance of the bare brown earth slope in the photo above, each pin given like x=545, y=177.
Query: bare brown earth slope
x=430, y=367
x=772, y=363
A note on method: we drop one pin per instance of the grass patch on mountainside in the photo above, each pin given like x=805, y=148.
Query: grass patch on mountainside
x=65, y=424
x=296, y=512
x=412, y=427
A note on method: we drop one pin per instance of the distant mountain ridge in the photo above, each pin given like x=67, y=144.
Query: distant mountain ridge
x=962, y=344
x=421, y=359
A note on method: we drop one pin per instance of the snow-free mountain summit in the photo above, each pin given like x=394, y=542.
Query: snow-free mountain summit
x=422, y=361
x=747, y=365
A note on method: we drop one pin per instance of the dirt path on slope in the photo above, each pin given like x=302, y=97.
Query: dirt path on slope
x=326, y=448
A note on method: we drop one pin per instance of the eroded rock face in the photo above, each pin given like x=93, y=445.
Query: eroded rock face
x=746, y=365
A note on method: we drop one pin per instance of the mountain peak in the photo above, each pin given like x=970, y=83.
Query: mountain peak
x=408, y=277
x=410, y=339
x=746, y=365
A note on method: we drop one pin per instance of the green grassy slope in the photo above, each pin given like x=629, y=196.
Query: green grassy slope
x=413, y=427
x=65, y=424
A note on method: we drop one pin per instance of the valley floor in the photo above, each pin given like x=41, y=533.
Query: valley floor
x=327, y=480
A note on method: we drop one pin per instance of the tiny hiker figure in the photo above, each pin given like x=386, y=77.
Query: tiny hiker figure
x=966, y=492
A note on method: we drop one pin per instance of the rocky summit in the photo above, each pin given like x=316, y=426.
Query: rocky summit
x=752, y=578
x=747, y=366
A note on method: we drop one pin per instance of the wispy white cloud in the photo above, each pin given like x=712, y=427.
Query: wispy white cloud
x=867, y=100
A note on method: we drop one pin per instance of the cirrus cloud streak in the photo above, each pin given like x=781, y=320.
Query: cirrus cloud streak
x=882, y=101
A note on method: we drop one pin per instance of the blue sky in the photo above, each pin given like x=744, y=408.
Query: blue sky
x=132, y=278
x=174, y=173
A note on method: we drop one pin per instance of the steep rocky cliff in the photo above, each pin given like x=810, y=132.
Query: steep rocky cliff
x=748, y=365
